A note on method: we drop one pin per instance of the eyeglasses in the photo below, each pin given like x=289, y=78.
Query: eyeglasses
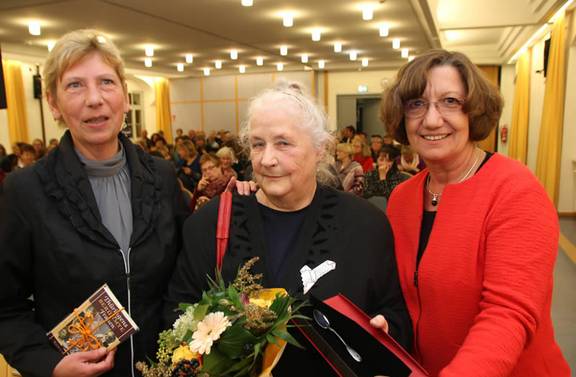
x=418, y=107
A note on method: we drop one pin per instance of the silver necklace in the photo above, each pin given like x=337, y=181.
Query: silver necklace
x=436, y=195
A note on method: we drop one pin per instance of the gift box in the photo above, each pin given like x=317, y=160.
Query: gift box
x=341, y=333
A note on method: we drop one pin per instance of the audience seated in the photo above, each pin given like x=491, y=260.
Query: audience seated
x=349, y=171
x=409, y=161
x=227, y=161
x=212, y=183
x=188, y=166
x=362, y=153
x=382, y=180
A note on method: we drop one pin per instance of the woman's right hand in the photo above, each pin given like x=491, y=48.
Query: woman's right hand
x=243, y=187
x=85, y=364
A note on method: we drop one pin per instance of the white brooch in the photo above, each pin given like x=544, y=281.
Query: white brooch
x=311, y=276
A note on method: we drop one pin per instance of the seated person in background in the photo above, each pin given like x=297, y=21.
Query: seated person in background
x=382, y=180
x=362, y=153
x=212, y=183
x=375, y=145
x=349, y=171
x=2, y=152
x=409, y=161
x=39, y=148
x=53, y=143
x=27, y=155
x=227, y=160
x=188, y=166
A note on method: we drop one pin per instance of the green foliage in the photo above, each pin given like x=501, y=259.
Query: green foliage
x=239, y=350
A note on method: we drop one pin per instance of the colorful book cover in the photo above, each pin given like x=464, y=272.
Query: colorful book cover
x=100, y=321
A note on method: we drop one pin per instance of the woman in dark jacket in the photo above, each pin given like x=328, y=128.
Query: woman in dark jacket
x=294, y=224
x=95, y=210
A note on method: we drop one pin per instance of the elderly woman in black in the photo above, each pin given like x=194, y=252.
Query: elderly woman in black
x=95, y=210
x=294, y=221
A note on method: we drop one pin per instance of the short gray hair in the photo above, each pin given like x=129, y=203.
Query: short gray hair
x=312, y=115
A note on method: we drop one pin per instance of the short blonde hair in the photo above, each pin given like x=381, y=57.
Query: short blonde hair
x=72, y=48
x=346, y=148
x=226, y=152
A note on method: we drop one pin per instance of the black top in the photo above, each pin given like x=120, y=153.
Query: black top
x=428, y=220
x=281, y=230
x=336, y=226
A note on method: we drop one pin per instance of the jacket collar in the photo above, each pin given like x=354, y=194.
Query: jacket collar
x=66, y=182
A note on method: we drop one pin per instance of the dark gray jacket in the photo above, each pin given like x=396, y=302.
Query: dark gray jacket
x=54, y=247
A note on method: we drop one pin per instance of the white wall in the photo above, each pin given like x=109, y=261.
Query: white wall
x=537, y=87
x=567, y=196
x=220, y=102
x=507, y=76
x=347, y=83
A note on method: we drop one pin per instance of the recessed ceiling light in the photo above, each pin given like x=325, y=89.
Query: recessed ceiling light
x=337, y=46
x=50, y=45
x=34, y=28
x=283, y=50
x=396, y=43
x=189, y=58
x=316, y=35
x=180, y=67
x=148, y=62
x=259, y=60
x=321, y=64
x=218, y=64
x=247, y=3
x=367, y=12
x=288, y=19
x=353, y=55
x=206, y=71
x=384, y=29
x=364, y=62
x=405, y=53
x=280, y=66
x=233, y=54
x=304, y=58
x=242, y=68
x=149, y=51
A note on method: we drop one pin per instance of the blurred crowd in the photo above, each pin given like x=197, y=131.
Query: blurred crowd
x=367, y=167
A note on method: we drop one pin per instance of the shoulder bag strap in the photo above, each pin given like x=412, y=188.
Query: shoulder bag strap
x=223, y=227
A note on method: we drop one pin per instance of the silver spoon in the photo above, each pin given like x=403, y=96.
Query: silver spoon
x=323, y=322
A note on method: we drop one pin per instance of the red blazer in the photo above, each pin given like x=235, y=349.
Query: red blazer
x=481, y=306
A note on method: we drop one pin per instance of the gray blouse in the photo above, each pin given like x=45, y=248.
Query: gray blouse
x=110, y=181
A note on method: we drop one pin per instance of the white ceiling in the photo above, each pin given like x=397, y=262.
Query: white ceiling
x=490, y=31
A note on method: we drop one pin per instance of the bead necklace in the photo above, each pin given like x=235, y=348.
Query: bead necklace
x=436, y=195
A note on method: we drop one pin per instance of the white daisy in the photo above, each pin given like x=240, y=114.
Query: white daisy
x=208, y=331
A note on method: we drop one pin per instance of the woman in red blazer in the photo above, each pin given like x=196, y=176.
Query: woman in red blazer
x=476, y=235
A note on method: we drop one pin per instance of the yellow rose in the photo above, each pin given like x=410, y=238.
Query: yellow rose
x=184, y=353
x=264, y=297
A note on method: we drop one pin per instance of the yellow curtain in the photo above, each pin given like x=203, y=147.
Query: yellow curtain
x=16, y=101
x=163, y=114
x=518, y=149
x=551, y=126
x=491, y=73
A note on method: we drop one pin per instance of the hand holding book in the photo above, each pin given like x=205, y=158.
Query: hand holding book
x=85, y=364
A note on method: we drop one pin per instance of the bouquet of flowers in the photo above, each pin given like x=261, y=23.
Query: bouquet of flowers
x=235, y=330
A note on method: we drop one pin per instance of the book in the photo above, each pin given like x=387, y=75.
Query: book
x=359, y=349
x=100, y=321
